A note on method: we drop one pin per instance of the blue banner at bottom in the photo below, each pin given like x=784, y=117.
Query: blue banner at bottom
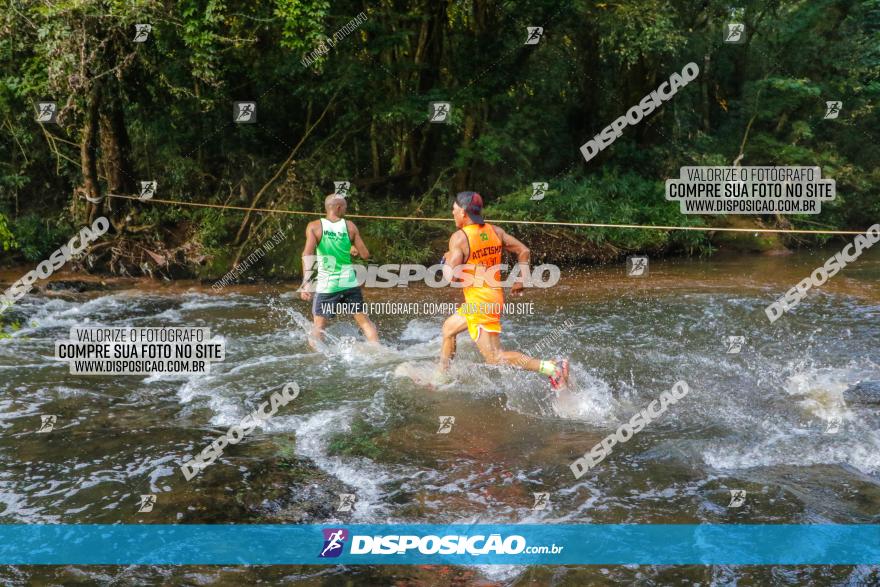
x=405, y=544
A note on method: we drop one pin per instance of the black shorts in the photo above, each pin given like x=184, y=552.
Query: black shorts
x=347, y=301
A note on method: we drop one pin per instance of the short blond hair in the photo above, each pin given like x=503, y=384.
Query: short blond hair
x=331, y=198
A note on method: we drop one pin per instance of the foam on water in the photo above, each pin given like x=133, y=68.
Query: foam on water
x=101, y=306
x=170, y=315
x=421, y=330
x=821, y=390
x=863, y=454
x=200, y=301
x=421, y=373
x=827, y=431
x=260, y=362
x=203, y=385
x=364, y=477
x=348, y=349
x=17, y=506
x=588, y=398
x=744, y=412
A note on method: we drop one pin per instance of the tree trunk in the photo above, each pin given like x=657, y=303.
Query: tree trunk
x=89, y=156
x=116, y=156
x=704, y=87
x=374, y=148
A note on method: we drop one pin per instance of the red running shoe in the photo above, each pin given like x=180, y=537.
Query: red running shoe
x=559, y=379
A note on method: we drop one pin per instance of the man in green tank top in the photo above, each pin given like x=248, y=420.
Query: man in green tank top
x=330, y=244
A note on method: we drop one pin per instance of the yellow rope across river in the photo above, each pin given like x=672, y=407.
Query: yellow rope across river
x=495, y=220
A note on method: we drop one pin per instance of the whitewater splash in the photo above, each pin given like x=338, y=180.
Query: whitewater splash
x=362, y=427
x=527, y=393
x=829, y=431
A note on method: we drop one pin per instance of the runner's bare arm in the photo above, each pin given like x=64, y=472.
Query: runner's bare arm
x=308, y=257
x=523, y=255
x=311, y=238
x=456, y=254
x=457, y=245
x=359, y=248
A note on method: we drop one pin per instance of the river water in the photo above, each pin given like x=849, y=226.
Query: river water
x=792, y=419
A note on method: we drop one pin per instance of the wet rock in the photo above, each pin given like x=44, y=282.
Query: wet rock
x=310, y=504
x=864, y=392
x=292, y=490
x=748, y=242
x=76, y=286
x=270, y=490
x=767, y=243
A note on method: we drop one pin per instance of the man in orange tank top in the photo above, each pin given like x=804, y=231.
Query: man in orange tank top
x=479, y=245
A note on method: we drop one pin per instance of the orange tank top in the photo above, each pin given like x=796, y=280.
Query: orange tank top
x=485, y=251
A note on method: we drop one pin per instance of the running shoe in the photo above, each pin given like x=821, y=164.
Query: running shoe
x=559, y=379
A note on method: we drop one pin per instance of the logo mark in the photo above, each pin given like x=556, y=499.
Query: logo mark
x=446, y=423
x=342, y=188
x=832, y=109
x=534, y=34
x=438, y=112
x=47, y=112
x=47, y=423
x=346, y=502
x=735, y=344
x=735, y=33
x=244, y=112
x=147, y=503
x=833, y=425
x=542, y=500
x=539, y=190
x=148, y=190
x=142, y=32
x=637, y=266
x=334, y=539
x=737, y=498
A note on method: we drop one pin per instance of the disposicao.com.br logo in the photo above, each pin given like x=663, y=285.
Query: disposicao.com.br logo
x=334, y=540
x=449, y=544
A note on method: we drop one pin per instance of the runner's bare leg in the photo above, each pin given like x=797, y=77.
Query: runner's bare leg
x=317, y=334
x=452, y=327
x=489, y=344
x=367, y=327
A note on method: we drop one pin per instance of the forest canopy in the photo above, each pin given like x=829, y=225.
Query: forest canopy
x=342, y=92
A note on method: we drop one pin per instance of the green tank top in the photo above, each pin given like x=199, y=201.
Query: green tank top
x=335, y=272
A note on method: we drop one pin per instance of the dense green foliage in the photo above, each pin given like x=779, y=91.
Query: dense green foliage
x=7, y=240
x=162, y=110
